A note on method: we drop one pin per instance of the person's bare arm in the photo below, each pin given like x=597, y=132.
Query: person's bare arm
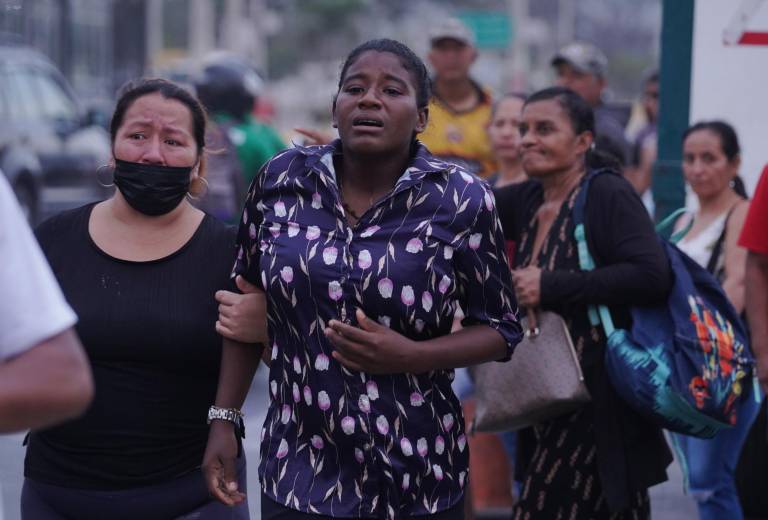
x=243, y=317
x=757, y=311
x=314, y=136
x=239, y=362
x=735, y=258
x=47, y=384
x=376, y=349
x=640, y=176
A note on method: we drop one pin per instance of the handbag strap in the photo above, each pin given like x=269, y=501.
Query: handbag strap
x=717, y=249
x=533, y=324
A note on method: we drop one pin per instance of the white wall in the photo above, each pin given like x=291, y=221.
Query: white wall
x=730, y=82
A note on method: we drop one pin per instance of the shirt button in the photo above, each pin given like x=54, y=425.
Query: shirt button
x=367, y=447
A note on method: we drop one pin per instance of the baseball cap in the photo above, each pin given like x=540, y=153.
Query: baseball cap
x=582, y=56
x=451, y=29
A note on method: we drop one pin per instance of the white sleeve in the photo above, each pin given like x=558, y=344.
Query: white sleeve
x=32, y=307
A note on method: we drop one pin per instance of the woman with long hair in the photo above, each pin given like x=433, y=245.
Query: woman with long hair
x=711, y=160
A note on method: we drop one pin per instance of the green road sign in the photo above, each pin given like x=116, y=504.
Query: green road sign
x=492, y=29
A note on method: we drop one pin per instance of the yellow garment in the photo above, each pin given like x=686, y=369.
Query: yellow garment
x=461, y=137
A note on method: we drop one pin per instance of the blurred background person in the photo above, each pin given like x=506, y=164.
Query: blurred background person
x=460, y=108
x=583, y=464
x=711, y=160
x=459, y=114
x=229, y=88
x=750, y=473
x=582, y=67
x=506, y=142
x=141, y=270
x=504, y=133
x=639, y=172
x=491, y=489
x=44, y=375
x=225, y=180
x=754, y=237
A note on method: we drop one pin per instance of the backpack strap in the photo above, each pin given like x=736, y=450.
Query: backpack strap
x=579, y=206
x=717, y=250
x=671, y=219
x=600, y=313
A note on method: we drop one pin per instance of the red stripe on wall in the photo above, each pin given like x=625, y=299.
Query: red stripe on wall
x=754, y=38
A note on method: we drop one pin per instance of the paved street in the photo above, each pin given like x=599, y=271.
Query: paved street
x=667, y=499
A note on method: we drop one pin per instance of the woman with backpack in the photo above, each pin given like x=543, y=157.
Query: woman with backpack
x=599, y=460
x=711, y=159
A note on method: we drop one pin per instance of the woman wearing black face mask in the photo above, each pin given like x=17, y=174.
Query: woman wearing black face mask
x=140, y=269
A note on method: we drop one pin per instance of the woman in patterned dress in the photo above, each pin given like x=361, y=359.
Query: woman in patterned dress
x=362, y=247
x=598, y=461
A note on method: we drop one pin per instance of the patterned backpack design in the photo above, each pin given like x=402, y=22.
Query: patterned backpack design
x=685, y=362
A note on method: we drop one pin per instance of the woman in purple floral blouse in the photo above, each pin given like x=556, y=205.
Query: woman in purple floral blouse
x=363, y=248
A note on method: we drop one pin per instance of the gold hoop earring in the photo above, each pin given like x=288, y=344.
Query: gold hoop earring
x=101, y=169
x=201, y=195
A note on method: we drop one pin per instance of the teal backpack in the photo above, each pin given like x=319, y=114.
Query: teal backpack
x=684, y=363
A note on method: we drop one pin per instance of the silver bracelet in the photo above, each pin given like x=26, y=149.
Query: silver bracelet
x=232, y=415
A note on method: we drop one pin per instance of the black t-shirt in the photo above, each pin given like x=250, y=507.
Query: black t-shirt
x=149, y=332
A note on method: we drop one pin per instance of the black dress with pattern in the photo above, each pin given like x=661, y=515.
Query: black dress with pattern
x=562, y=477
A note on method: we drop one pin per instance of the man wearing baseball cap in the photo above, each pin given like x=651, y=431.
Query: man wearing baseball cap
x=459, y=114
x=460, y=109
x=581, y=67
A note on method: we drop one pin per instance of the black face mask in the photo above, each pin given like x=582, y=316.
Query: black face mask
x=152, y=189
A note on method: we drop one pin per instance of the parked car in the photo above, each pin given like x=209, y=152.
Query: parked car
x=50, y=148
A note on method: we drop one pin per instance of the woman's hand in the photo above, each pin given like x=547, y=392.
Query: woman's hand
x=527, y=282
x=372, y=347
x=243, y=317
x=219, y=463
x=314, y=136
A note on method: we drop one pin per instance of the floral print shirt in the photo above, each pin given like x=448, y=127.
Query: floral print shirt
x=349, y=444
